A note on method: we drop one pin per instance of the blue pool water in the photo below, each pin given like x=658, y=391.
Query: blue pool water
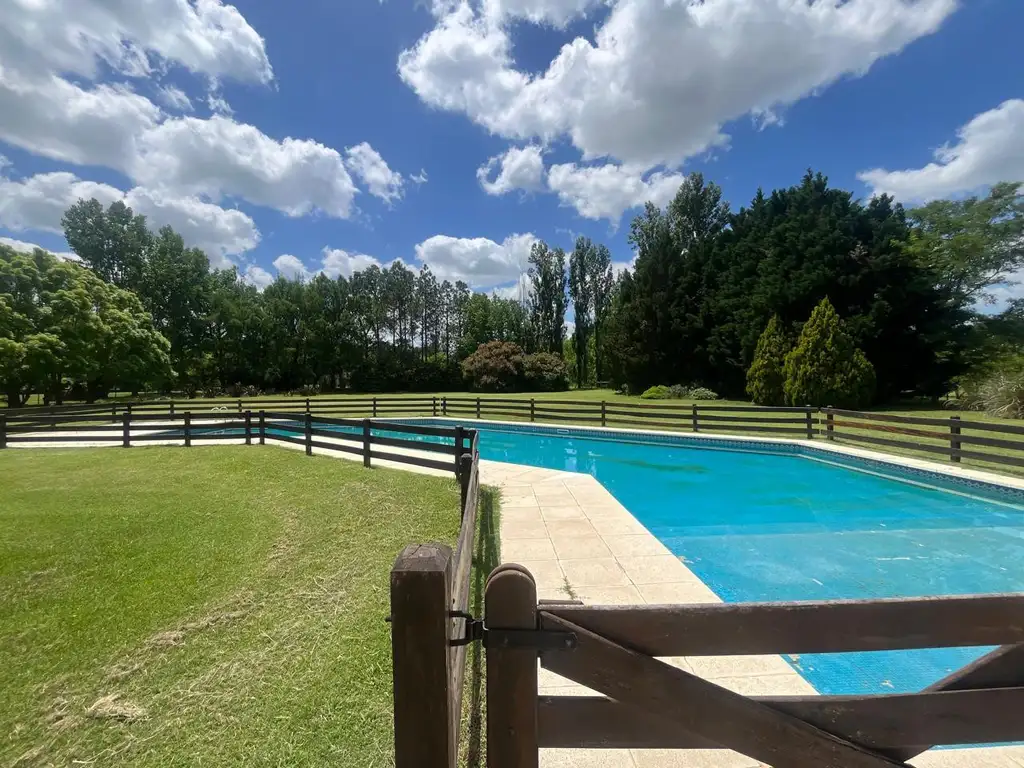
x=766, y=527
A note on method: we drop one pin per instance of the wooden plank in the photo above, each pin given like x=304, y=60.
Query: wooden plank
x=991, y=442
x=511, y=603
x=753, y=419
x=846, y=436
x=418, y=445
x=722, y=629
x=416, y=461
x=701, y=707
x=995, y=458
x=891, y=429
x=712, y=428
x=886, y=721
x=677, y=427
x=924, y=421
x=357, y=450
x=1003, y=667
x=423, y=716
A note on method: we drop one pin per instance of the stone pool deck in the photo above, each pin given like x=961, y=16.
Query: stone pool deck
x=579, y=542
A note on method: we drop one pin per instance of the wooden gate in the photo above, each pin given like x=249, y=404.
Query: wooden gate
x=648, y=703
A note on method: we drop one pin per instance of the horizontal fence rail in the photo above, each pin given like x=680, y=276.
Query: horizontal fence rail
x=956, y=439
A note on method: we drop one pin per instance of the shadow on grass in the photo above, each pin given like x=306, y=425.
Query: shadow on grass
x=486, y=558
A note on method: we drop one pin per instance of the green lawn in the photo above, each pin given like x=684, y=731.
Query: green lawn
x=222, y=606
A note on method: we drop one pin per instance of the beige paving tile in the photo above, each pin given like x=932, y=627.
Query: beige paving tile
x=680, y=662
x=659, y=569
x=556, y=512
x=547, y=573
x=767, y=685
x=595, y=595
x=983, y=757
x=586, y=758
x=607, y=510
x=516, y=550
x=678, y=593
x=692, y=758
x=739, y=666
x=521, y=514
x=635, y=545
x=511, y=502
x=548, y=679
x=564, y=528
x=597, y=572
x=524, y=529
x=580, y=547
x=617, y=525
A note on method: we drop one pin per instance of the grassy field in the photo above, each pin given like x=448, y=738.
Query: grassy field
x=164, y=607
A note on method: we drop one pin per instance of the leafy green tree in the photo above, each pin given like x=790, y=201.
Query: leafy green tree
x=495, y=366
x=548, y=300
x=765, y=378
x=972, y=244
x=113, y=243
x=582, y=264
x=544, y=372
x=826, y=368
x=602, y=281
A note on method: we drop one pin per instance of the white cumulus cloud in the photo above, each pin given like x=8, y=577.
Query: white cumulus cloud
x=481, y=262
x=989, y=149
x=337, y=262
x=174, y=98
x=367, y=164
x=518, y=168
x=660, y=78
x=22, y=247
x=606, y=191
x=292, y=267
x=257, y=276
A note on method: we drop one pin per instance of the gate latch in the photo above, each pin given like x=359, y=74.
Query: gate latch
x=528, y=639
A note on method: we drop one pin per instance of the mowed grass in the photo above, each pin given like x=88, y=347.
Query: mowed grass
x=219, y=606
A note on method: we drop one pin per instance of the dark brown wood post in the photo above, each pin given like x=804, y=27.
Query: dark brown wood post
x=696, y=423
x=464, y=473
x=309, y=433
x=126, y=429
x=444, y=406
x=604, y=414
x=240, y=405
x=533, y=405
x=954, y=438
x=3, y=431
x=478, y=409
x=172, y=408
x=263, y=428
x=307, y=405
x=113, y=414
x=248, y=427
x=433, y=406
x=375, y=407
x=510, y=602
x=188, y=429
x=810, y=424
x=366, y=442
x=830, y=425
x=425, y=720
x=459, y=450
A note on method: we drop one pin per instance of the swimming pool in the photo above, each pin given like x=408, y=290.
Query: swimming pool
x=760, y=526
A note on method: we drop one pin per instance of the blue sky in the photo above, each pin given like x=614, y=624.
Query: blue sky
x=327, y=135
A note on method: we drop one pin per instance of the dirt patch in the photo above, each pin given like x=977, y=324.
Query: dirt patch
x=113, y=707
x=175, y=637
x=61, y=715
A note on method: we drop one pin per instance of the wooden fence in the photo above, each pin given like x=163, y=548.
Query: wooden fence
x=368, y=438
x=952, y=438
x=650, y=704
x=430, y=591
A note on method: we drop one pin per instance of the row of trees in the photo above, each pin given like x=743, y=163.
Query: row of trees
x=381, y=329
x=707, y=282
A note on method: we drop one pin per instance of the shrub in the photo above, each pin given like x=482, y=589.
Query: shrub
x=308, y=390
x=658, y=392
x=678, y=392
x=495, y=366
x=545, y=372
x=703, y=393
x=765, y=378
x=825, y=367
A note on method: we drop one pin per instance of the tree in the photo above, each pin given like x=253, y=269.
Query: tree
x=971, y=244
x=765, y=378
x=547, y=302
x=602, y=280
x=545, y=372
x=113, y=243
x=494, y=367
x=826, y=368
x=582, y=265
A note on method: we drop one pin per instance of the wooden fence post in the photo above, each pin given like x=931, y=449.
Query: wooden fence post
x=425, y=720
x=126, y=429
x=511, y=603
x=248, y=427
x=172, y=408
x=366, y=442
x=433, y=406
x=604, y=414
x=478, y=409
x=113, y=414
x=188, y=429
x=240, y=405
x=533, y=405
x=465, y=472
x=696, y=424
x=309, y=433
x=444, y=406
x=307, y=405
x=829, y=425
x=810, y=424
x=3, y=431
x=459, y=450
x=263, y=428
x=954, y=438
x=375, y=406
